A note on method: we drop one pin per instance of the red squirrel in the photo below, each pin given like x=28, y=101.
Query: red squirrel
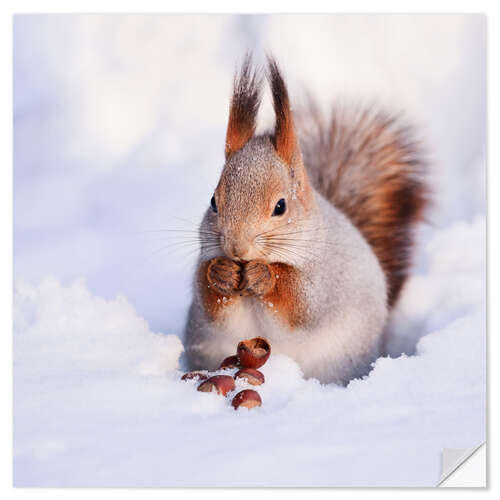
x=308, y=237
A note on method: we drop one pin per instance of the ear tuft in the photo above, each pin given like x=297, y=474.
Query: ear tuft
x=284, y=134
x=245, y=104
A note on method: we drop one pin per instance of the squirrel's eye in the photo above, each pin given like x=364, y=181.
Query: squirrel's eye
x=280, y=207
x=213, y=205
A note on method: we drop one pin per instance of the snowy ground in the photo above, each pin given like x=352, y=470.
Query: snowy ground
x=119, y=129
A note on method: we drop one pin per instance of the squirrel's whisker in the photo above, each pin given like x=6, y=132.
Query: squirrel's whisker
x=273, y=229
x=304, y=243
x=325, y=228
x=288, y=248
x=192, y=231
x=175, y=246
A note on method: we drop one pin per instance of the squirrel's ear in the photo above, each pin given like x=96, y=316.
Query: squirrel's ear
x=284, y=133
x=244, y=107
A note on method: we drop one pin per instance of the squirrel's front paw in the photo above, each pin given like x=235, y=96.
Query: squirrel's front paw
x=224, y=275
x=258, y=278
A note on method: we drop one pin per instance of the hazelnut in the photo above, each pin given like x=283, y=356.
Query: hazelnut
x=247, y=398
x=230, y=362
x=253, y=353
x=222, y=384
x=191, y=375
x=251, y=375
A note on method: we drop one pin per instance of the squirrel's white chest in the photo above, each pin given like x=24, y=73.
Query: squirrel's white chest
x=250, y=318
x=326, y=353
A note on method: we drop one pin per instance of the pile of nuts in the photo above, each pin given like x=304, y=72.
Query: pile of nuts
x=251, y=354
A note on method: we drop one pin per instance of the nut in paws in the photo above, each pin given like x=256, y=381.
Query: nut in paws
x=258, y=278
x=224, y=275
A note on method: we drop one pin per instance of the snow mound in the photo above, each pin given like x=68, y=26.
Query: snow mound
x=91, y=410
x=60, y=329
x=452, y=284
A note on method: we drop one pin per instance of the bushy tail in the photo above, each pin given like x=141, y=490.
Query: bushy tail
x=369, y=165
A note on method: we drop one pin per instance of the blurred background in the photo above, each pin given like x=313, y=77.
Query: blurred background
x=119, y=125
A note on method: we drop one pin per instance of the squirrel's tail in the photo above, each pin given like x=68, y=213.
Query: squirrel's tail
x=370, y=166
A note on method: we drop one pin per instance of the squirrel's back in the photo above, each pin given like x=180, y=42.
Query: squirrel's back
x=370, y=166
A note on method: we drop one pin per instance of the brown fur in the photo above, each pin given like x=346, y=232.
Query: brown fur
x=258, y=278
x=285, y=296
x=212, y=295
x=370, y=167
x=244, y=108
x=284, y=133
x=222, y=282
x=224, y=276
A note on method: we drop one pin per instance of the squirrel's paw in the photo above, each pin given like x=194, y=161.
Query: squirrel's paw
x=224, y=275
x=258, y=278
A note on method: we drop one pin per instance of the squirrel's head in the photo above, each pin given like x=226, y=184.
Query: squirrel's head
x=263, y=196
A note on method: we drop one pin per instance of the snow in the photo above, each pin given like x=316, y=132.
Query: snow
x=115, y=141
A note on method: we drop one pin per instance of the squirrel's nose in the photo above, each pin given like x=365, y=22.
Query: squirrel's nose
x=236, y=250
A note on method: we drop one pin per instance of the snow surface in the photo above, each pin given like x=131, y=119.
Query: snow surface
x=119, y=130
